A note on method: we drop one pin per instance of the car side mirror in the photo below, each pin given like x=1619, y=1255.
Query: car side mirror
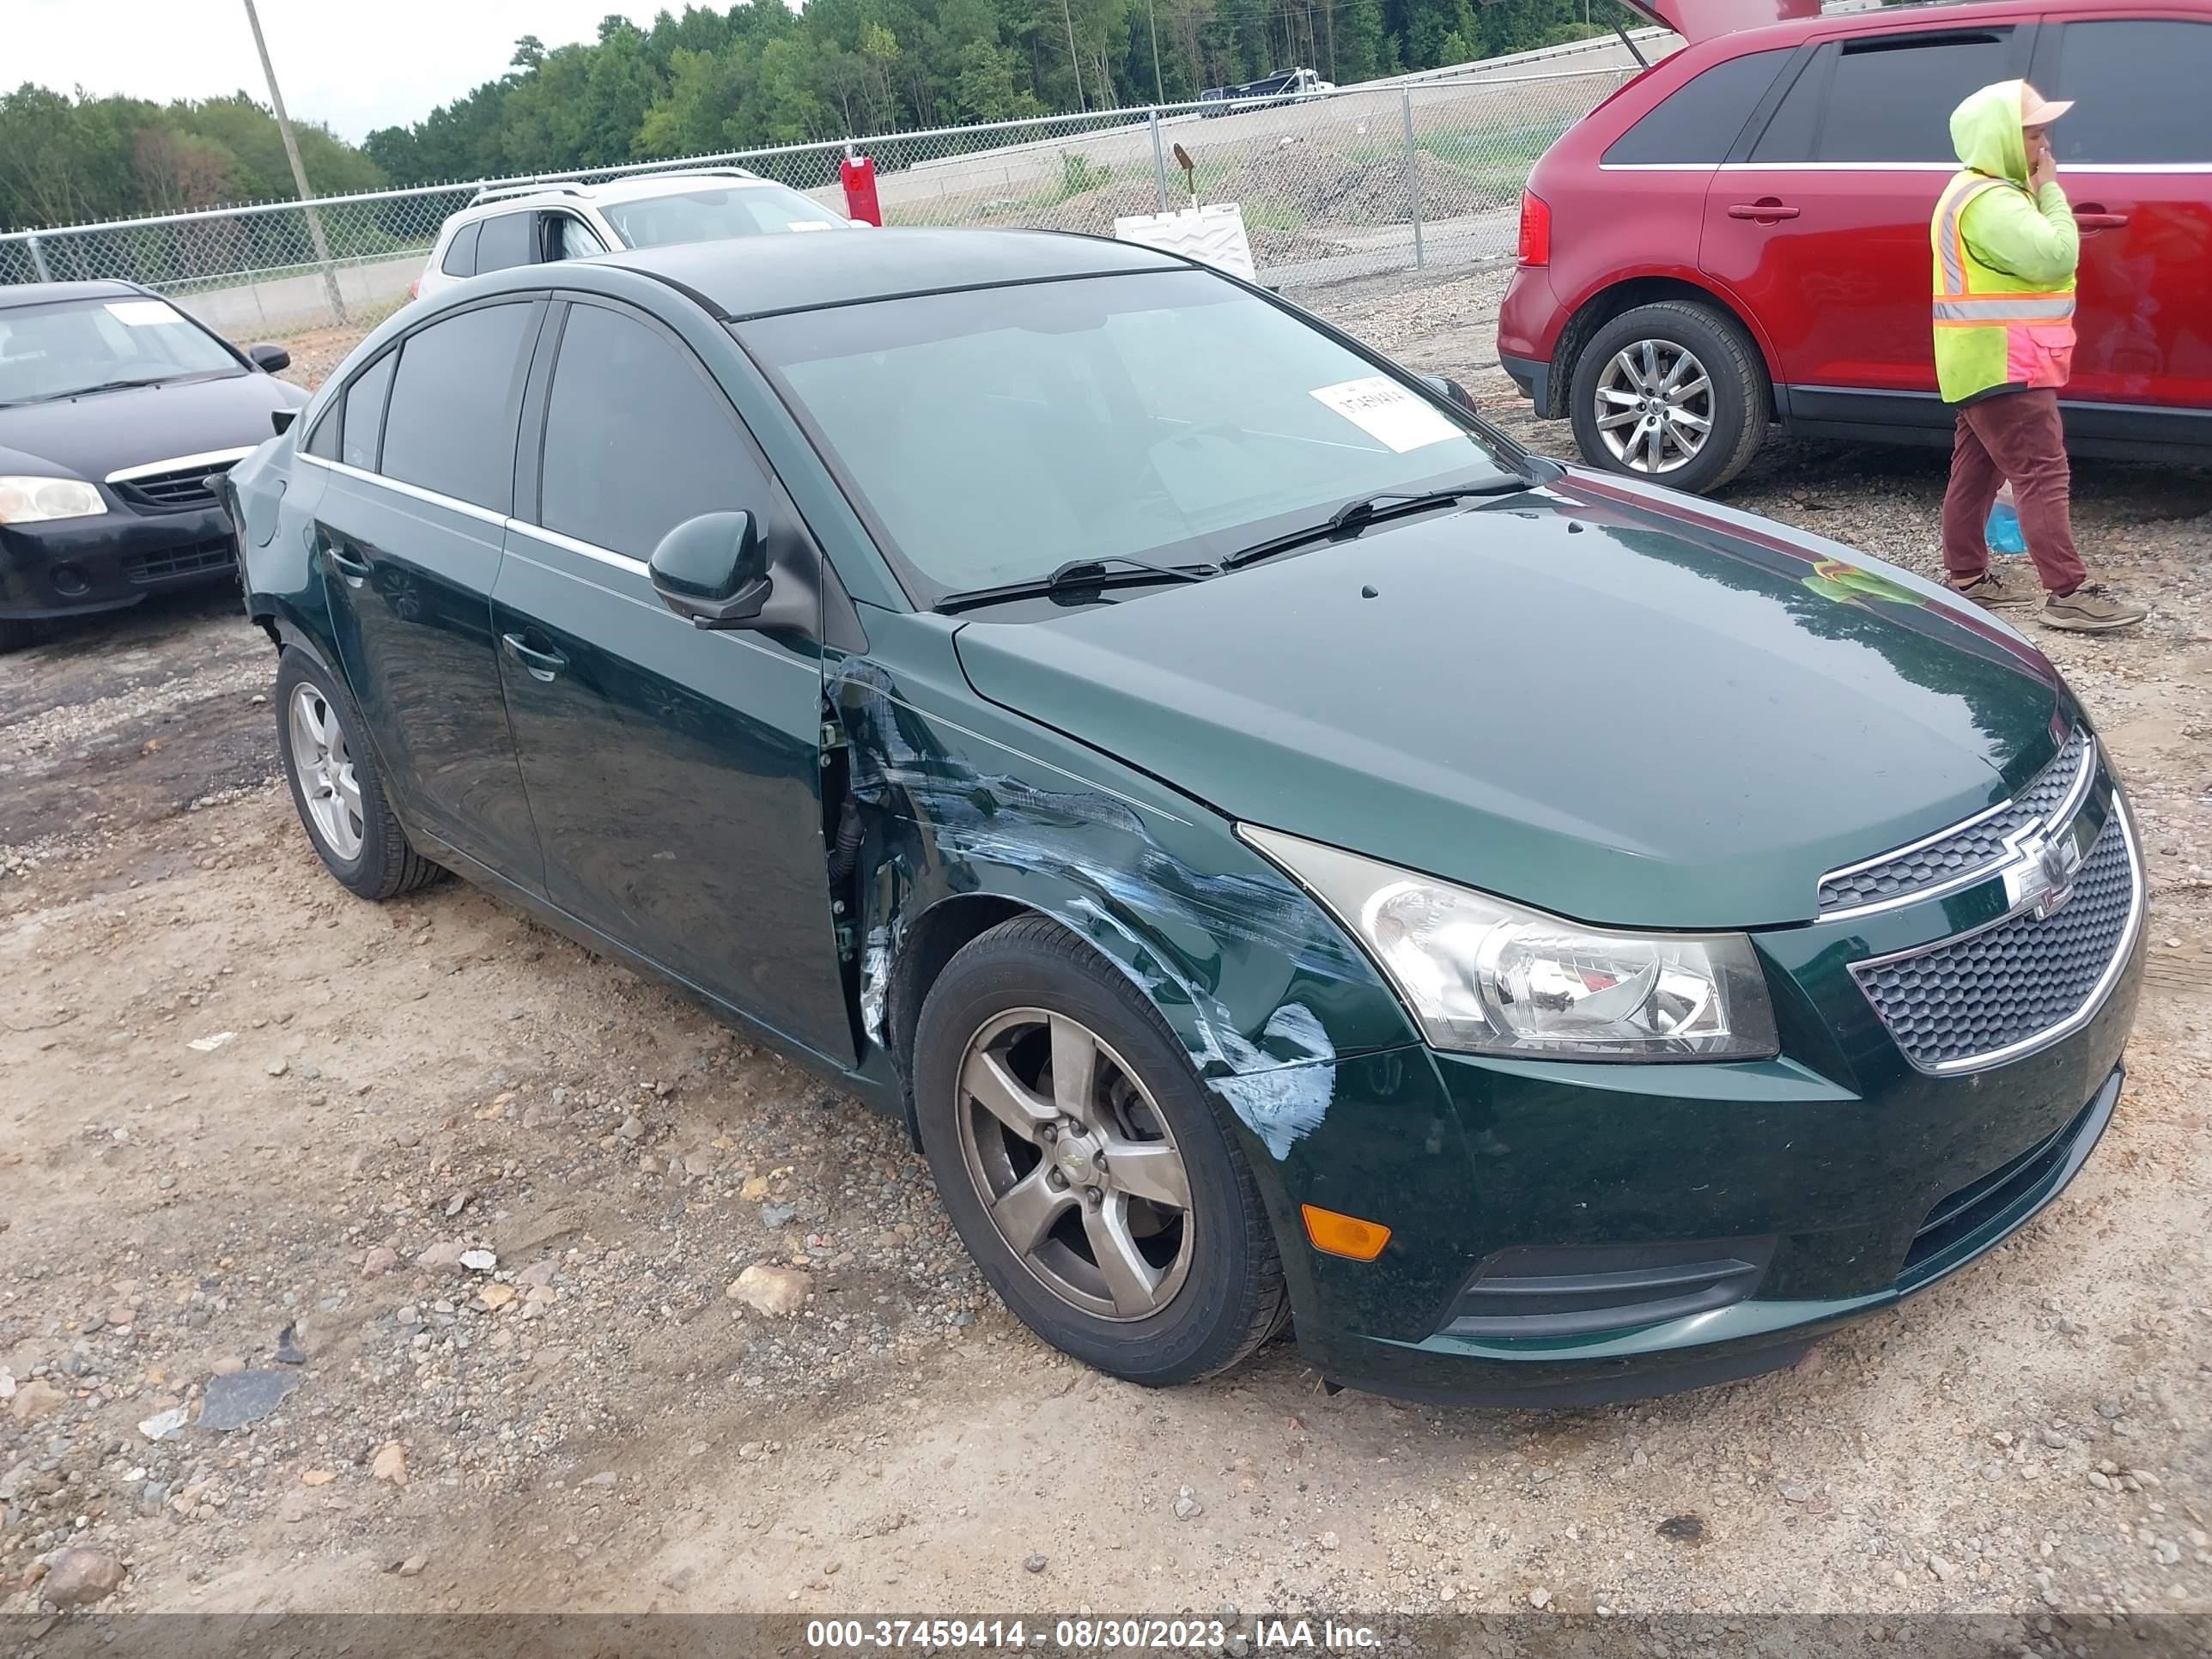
x=270, y=358
x=713, y=571
x=1453, y=391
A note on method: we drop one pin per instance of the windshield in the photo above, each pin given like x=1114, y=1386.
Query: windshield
x=996, y=435
x=51, y=350
x=709, y=216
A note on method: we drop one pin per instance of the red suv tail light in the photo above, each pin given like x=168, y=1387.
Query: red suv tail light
x=1535, y=248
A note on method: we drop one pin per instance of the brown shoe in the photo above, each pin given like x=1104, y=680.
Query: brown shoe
x=1996, y=590
x=2092, y=608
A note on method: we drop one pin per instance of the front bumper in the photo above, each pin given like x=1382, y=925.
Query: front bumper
x=1574, y=1233
x=70, y=566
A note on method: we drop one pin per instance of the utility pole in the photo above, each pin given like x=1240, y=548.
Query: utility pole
x=299, y=171
x=1074, y=59
x=1159, y=86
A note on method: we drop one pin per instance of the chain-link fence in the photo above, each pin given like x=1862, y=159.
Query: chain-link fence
x=1367, y=178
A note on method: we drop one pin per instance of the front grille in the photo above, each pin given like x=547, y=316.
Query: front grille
x=173, y=492
x=1959, y=1216
x=1961, y=854
x=1989, y=992
x=214, y=555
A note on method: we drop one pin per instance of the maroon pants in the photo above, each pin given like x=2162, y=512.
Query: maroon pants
x=2016, y=436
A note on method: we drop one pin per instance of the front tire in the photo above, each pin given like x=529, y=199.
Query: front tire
x=1085, y=1164
x=336, y=787
x=1673, y=392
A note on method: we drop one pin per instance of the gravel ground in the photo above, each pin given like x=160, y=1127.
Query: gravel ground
x=255, y=1133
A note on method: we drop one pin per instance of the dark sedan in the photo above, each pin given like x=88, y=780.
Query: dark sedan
x=1286, y=853
x=116, y=410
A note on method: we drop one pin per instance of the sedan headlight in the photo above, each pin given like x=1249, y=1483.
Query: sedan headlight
x=26, y=499
x=1486, y=976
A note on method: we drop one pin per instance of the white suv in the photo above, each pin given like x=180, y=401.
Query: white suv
x=535, y=224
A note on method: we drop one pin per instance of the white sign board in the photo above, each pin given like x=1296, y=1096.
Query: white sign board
x=1214, y=235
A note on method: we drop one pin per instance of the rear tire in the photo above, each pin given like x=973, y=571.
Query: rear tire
x=1195, y=1283
x=1650, y=376
x=17, y=634
x=336, y=787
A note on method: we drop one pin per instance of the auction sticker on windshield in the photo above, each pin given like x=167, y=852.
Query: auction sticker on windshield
x=142, y=314
x=1389, y=413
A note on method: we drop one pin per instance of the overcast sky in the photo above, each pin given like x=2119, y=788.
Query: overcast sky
x=351, y=65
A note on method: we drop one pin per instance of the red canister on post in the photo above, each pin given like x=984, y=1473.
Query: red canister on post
x=858, y=174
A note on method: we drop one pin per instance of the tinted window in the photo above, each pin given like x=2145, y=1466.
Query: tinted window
x=1699, y=122
x=1795, y=126
x=637, y=441
x=506, y=241
x=324, y=439
x=364, y=412
x=2142, y=86
x=1890, y=100
x=451, y=426
x=461, y=254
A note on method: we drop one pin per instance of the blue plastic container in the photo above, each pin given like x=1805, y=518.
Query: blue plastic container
x=2003, y=532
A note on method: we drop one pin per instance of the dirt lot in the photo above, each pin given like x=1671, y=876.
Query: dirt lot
x=237, y=1103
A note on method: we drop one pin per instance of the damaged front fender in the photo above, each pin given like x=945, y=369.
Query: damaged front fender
x=963, y=804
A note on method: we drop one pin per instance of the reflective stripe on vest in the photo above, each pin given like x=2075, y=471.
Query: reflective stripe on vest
x=1955, y=305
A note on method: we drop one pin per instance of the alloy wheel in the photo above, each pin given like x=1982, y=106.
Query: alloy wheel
x=1075, y=1164
x=1655, y=407
x=323, y=765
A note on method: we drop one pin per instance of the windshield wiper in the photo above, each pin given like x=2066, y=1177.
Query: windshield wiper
x=1361, y=511
x=113, y=385
x=1079, y=574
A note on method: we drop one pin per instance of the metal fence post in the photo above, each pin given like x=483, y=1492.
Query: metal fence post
x=1159, y=165
x=39, y=260
x=1413, y=173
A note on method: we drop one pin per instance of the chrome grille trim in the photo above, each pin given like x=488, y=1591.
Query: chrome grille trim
x=2080, y=751
x=2092, y=1002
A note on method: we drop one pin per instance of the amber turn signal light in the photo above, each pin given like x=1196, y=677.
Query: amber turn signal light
x=1344, y=1235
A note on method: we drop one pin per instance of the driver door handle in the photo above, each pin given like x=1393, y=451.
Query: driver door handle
x=2091, y=216
x=1764, y=210
x=542, y=665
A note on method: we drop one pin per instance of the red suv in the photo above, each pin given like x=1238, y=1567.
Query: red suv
x=1738, y=236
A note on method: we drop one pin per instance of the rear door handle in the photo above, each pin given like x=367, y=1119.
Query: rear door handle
x=356, y=571
x=542, y=665
x=2098, y=219
x=1764, y=211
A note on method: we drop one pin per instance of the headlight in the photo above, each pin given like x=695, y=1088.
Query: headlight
x=28, y=500
x=1485, y=976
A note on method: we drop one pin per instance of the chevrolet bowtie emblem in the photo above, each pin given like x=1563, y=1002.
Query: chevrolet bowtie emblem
x=2041, y=877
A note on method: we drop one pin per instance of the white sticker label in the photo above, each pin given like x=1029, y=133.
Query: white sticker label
x=141, y=313
x=1388, y=413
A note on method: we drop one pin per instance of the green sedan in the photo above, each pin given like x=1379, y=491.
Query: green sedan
x=1287, y=855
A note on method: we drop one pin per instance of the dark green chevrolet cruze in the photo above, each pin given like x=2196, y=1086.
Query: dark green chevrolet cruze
x=1285, y=853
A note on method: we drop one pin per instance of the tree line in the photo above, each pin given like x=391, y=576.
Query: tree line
x=755, y=74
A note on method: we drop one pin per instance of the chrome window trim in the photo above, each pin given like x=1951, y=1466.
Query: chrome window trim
x=180, y=463
x=483, y=514
x=2091, y=1004
x=588, y=549
x=2077, y=793
x=1839, y=166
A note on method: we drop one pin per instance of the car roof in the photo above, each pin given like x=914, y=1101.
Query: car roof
x=38, y=294
x=577, y=193
x=1882, y=20
x=758, y=275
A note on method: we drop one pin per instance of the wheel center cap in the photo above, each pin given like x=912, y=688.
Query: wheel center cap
x=1076, y=1156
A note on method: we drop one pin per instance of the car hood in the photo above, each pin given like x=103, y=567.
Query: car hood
x=92, y=436
x=1620, y=706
